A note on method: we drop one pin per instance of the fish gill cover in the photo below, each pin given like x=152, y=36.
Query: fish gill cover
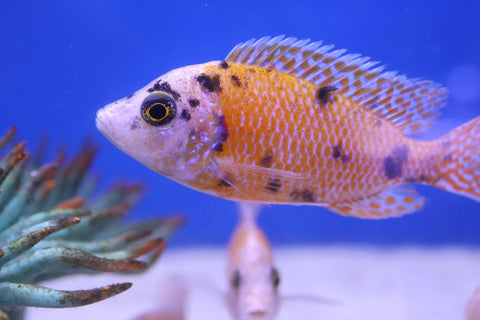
x=53, y=224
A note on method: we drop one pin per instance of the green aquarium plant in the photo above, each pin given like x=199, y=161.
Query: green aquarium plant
x=53, y=224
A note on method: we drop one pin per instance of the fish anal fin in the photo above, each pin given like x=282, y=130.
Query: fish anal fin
x=393, y=202
x=411, y=104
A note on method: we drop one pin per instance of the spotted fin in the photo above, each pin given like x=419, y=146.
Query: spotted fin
x=411, y=104
x=460, y=163
x=393, y=202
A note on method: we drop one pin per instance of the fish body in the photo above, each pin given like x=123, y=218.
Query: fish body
x=254, y=280
x=287, y=121
x=473, y=307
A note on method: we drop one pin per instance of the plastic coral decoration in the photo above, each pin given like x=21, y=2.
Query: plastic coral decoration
x=53, y=225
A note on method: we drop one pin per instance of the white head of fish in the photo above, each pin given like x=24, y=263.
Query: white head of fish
x=253, y=293
x=168, y=125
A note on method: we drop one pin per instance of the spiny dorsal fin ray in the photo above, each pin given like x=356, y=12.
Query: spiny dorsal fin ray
x=411, y=104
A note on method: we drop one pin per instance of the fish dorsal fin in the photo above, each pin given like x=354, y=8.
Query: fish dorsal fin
x=411, y=104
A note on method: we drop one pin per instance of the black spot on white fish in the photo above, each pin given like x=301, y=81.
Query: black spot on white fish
x=324, y=94
x=224, y=65
x=164, y=87
x=273, y=185
x=135, y=123
x=211, y=84
x=131, y=95
x=185, y=114
x=193, y=102
x=394, y=163
x=236, y=81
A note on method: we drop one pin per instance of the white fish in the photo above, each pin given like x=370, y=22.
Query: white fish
x=473, y=306
x=253, y=278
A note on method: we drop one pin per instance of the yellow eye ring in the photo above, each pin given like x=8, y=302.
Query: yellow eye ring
x=158, y=109
x=155, y=112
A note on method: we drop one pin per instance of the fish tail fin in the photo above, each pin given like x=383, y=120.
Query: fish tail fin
x=249, y=211
x=460, y=163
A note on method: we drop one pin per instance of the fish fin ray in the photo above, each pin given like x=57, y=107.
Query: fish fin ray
x=411, y=104
x=460, y=163
x=247, y=179
x=392, y=202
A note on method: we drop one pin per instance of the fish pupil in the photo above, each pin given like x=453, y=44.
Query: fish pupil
x=158, y=111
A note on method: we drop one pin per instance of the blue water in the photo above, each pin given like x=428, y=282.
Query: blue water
x=60, y=61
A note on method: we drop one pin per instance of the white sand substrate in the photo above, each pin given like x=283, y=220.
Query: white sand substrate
x=366, y=283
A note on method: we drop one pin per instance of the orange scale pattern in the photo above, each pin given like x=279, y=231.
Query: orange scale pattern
x=277, y=114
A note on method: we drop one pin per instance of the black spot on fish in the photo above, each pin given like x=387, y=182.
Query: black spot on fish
x=305, y=195
x=193, y=102
x=324, y=94
x=447, y=158
x=394, y=163
x=131, y=95
x=223, y=128
x=164, y=87
x=224, y=64
x=186, y=114
x=221, y=134
x=224, y=183
x=273, y=185
x=217, y=146
x=236, y=81
x=211, y=84
x=267, y=160
x=337, y=152
x=135, y=123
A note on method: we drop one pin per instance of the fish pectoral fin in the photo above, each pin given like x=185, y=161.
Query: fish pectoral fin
x=250, y=179
x=392, y=202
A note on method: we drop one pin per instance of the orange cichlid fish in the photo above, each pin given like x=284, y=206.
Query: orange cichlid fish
x=282, y=120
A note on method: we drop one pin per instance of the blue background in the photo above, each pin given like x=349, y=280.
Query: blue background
x=60, y=61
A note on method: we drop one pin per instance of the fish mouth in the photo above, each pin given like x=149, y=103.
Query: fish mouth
x=257, y=314
x=103, y=128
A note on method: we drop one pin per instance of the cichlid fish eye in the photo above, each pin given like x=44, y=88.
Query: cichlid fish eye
x=158, y=109
x=275, y=277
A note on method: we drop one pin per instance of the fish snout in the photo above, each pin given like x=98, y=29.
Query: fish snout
x=99, y=120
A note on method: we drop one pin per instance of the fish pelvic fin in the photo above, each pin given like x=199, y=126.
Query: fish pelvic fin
x=410, y=104
x=390, y=203
x=460, y=164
